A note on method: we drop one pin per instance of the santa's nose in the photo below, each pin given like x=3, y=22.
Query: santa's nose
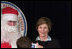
x=12, y=23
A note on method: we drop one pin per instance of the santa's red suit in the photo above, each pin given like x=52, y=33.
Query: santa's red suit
x=9, y=28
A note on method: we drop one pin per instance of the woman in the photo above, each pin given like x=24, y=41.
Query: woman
x=43, y=27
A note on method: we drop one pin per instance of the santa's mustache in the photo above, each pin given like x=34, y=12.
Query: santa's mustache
x=12, y=29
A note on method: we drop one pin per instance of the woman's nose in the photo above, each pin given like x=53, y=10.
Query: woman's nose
x=42, y=29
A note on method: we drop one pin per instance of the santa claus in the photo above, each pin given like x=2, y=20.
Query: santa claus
x=9, y=28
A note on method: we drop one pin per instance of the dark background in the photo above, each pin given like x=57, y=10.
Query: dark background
x=58, y=11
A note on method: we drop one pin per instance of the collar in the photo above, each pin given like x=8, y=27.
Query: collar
x=48, y=39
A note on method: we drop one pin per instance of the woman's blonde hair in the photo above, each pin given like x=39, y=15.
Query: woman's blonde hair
x=44, y=20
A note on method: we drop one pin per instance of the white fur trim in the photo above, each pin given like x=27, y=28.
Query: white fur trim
x=48, y=39
x=12, y=17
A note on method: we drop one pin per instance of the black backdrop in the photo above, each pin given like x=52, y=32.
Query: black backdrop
x=58, y=11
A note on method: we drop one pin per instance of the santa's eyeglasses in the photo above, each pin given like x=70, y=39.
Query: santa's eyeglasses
x=12, y=23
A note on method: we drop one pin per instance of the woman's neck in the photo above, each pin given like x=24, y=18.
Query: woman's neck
x=43, y=38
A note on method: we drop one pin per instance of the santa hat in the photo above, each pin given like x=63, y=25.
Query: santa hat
x=9, y=10
x=9, y=13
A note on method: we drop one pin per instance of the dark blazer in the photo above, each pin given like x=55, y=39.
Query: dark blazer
x=49, y=44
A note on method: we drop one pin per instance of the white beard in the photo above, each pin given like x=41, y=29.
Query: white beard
x=9, y=33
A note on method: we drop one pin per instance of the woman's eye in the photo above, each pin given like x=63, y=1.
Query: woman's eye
x=40, y=27
x=45, y=27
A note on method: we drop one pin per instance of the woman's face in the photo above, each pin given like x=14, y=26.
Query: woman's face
x=43, y=30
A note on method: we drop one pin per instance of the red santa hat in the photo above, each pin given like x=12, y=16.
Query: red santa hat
x=9, y=10
x=9, y=13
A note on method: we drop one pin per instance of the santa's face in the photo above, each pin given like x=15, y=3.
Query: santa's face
x=9, y=22
x=9, y=29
